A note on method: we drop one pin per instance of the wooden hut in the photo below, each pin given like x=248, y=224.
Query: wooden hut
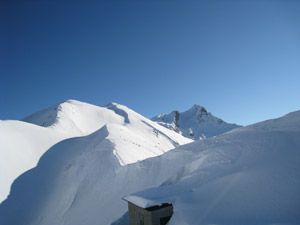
x=154, y=215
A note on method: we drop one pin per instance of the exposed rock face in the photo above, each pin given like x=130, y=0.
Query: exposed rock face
x=195, y=123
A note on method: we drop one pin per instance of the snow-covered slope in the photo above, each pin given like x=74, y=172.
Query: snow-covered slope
x=81, y=180
x=72, y=117
x=138, y=138
x=132, y=131
x=247, y=176
x=21, y=146
x=133, y=136
x=194, y=123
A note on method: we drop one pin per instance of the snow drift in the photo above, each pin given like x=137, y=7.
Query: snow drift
x=246, y=176
x=249, y=175
x=81, y=180
x=22, y=144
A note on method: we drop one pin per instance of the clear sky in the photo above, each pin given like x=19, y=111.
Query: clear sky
x=239, y=59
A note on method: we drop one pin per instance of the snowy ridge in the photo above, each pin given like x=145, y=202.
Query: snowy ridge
x=22, y=144
x=138, y=138
x=246, y=176
x=129, y=131
x=73, y=117
x=194, y=123
x=80, y=177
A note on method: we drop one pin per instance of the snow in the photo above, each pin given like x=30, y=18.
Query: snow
x=139, y=138
x=74, y=118
x=141, y=202
x=78, y=181
x=22, y=144
x=195, y=123
x=74, y=175
x=247, y=176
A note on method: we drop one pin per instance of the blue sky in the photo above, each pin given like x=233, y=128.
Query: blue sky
x=239, y=59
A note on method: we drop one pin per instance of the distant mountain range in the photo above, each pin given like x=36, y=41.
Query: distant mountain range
x=195, y=123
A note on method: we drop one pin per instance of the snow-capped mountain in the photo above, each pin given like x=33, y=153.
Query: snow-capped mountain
x=73, y=118
x=81, y=180
x=194, y=123
x=247, y=176
x=22, y=143
x=132, y=136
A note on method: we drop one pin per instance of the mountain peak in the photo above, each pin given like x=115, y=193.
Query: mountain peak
x=111, y=104
x=198, y=108
x=194, y=123
x=72, y=116
x=72, y=101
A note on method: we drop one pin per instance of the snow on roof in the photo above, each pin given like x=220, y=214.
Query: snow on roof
x=141, y=202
